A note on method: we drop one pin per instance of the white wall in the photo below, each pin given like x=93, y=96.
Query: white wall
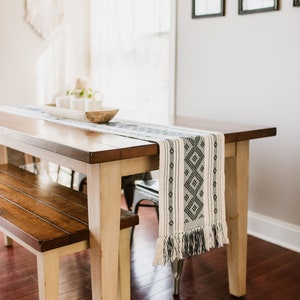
x=246, y=68
x=34, y=70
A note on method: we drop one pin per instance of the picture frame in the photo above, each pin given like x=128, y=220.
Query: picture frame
x=256, y=6
x=208, y=8
x=296, y=3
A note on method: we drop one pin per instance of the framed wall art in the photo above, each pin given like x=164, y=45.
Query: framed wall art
x=208, y=8
x=296, y=3
x=255, y=6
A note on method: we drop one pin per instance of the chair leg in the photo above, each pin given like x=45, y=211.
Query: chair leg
x=128, y=195
x=177, y=266
x=72, y=179
x=48, y=275
x=82, y=184
x=157, y=211
x=57, y=174
x=35, y=166
x=124, y=264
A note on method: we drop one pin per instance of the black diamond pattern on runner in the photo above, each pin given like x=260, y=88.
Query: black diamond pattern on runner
x=193, y=209
x=193, y=180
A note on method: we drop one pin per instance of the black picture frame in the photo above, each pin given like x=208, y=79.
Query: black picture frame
x=256, y=8
x=296, y=3
x=208, y=8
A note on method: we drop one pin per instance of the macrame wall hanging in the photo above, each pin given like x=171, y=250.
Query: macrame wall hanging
x=44, y=16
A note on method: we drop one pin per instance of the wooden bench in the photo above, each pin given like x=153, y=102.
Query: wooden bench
x=51, y=221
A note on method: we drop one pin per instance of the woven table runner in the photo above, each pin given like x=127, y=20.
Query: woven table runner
x=191, y=182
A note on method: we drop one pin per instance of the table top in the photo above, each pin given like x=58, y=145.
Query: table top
x=95, y=147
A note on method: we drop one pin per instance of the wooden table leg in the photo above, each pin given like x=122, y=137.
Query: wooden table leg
x=3, y=160
x=104, y=202
x=3, y=154
x=236, y=193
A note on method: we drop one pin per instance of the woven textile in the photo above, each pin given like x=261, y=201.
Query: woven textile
x=191, y=181
x=44, y=16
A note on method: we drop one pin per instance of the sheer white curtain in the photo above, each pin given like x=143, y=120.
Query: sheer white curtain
x=130, y=57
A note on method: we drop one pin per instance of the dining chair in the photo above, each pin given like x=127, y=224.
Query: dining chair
x=145, y=194
x=128, y=186
x=70, y=173
x=23, y=160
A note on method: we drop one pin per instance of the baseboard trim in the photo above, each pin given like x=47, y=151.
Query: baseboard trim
x=274, y=231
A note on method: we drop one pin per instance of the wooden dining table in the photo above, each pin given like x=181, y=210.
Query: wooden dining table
x=105, y=158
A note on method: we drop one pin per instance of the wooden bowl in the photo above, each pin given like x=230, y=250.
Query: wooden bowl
x=102, y=116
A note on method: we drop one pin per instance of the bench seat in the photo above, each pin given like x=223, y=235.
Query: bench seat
x=44, y=216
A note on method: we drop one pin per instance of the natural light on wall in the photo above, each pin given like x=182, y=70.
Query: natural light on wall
x=49, y=71
x=130, y=57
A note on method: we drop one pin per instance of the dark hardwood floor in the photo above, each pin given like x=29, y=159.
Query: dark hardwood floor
x=273, y=272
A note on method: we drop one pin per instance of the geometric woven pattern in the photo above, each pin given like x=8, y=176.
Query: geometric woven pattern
x=194, y=167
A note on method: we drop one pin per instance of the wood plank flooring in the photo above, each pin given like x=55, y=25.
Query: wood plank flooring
x=273, y=272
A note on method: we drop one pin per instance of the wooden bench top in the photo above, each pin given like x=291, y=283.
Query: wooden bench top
x=42, y=213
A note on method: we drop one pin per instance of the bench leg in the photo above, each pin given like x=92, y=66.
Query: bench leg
x=7, y=241
x=124, y=264
x=48, y=274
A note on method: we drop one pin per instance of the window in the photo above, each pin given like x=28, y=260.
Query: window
x=131, y=42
